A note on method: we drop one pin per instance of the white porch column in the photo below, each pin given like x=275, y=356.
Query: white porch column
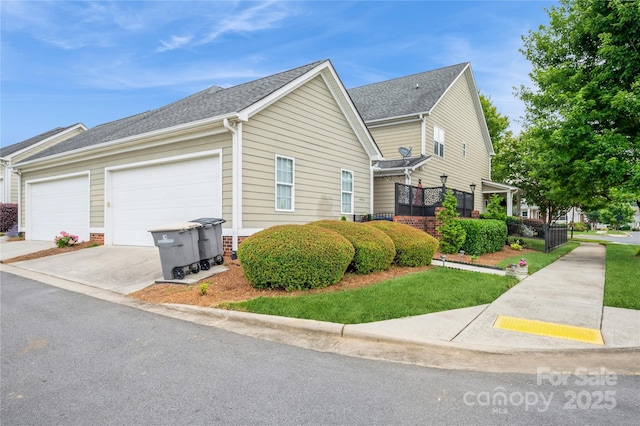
x=509, y=203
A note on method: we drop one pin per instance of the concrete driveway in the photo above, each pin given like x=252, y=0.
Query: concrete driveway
x=122, y=269
x=117, y=268
x=20, y=248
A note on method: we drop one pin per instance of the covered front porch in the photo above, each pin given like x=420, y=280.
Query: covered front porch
x=511, y=194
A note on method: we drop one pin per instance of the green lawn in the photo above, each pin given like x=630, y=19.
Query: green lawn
x=622, y=282
x=435, y=290
x=539, y=260
x=442, y=289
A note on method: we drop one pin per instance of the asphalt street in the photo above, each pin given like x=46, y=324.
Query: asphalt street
x=68, y=358
x=632, y=237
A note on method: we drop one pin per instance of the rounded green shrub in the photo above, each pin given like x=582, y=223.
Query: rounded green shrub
x=483, y=236
x=295, y=257
x=413, y=247
x=374, y=249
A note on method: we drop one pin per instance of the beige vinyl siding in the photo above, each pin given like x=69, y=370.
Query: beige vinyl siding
x=456, y=115
x=15, y=188
x=308, y=126
x=390, y=138
x=384, y=195
x=96, y=167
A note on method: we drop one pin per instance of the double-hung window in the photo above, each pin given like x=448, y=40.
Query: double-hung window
x=347, y=192
x=284, y=184
x=438, y=141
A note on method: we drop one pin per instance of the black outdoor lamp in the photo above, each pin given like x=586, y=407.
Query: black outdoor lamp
x=473, y=195
x=443, y=179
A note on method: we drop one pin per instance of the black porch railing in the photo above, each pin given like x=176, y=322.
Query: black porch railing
x=415, y=201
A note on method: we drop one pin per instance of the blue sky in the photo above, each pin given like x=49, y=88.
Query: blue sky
x=98, y=61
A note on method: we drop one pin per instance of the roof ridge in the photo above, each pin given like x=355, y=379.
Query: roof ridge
x=412, y=75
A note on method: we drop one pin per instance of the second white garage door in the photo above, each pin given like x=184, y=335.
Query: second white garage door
x=144, y=197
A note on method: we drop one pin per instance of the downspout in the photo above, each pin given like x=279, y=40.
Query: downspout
x=236, y=183
x=423, y=134
x=371, y=188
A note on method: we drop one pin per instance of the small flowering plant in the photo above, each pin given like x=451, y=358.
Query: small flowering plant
x=65, y=239
x=522, y=262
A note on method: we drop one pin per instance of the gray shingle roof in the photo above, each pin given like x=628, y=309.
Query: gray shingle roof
x=19, y=146
x=413, y=94
x=212, y=102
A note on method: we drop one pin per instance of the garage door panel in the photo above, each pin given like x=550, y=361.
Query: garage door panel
x=59, y=205
x=155, y=195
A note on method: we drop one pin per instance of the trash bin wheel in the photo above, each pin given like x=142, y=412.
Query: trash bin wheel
x=178, y=273
x=205, y=265
x=195, y=269
x=219, y=259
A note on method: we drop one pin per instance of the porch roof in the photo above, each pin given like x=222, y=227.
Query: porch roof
x=399, y=165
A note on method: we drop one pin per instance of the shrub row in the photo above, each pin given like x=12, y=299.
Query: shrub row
x=374, y=250
x=316, y=255
x=484, y=236
x=8, y=216
x=413, y=247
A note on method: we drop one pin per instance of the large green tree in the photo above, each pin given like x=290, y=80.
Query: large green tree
x=521, y=161
x=502, y=139
x=584, y=110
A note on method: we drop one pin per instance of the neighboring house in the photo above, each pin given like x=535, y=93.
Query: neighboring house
x=574, y=214
x=10, y=155
x=439, y=116
x=288, y=148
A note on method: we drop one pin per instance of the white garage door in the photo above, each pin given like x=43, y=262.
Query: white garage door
x=144, y=197
x=58, y=205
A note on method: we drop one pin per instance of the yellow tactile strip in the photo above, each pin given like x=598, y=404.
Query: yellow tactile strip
x=549, y=329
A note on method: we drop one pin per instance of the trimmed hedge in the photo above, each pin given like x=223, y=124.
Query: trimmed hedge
x=413, y=247
x=8, y=216
x=374, y=249
x=295, y=257
x=484, y=236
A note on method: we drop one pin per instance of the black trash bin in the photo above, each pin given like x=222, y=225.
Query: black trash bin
x=210, y=241
x=178, y=246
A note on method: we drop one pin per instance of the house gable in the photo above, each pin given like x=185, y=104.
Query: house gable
x=307, y=125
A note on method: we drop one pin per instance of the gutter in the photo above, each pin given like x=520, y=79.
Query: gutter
x=67, y=155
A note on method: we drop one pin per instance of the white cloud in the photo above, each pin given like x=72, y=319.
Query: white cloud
x=260, y=17
x=175, y=43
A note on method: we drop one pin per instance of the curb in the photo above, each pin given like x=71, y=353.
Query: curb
x=349, y=341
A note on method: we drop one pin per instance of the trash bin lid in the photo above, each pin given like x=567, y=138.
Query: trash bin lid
x=176, y=226
x=208, y=221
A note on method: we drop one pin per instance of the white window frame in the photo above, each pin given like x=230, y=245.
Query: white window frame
x=343, y=191
x=438, y=142
x=291, y=184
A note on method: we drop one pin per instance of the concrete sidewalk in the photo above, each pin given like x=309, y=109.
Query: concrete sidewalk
x=567, y=292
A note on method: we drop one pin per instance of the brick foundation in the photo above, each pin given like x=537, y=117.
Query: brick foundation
x=97, y=238
x=428, y=224
x=227, y=244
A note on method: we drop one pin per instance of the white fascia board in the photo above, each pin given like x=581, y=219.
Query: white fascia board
x=392, y=121
x=46, y=140
x=136, y=142
x=322, y=69
x=345, y=102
